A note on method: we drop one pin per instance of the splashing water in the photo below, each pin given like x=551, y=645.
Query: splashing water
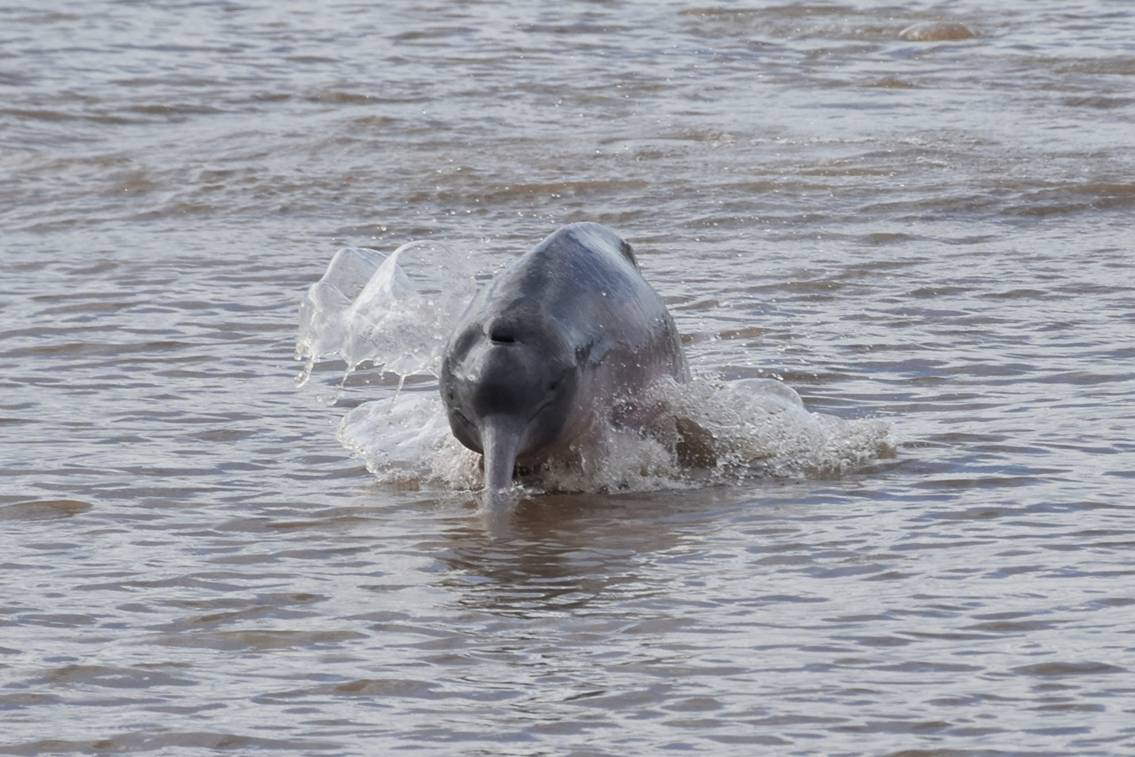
x=392, y=311
x=759, y=428
x=397, y=311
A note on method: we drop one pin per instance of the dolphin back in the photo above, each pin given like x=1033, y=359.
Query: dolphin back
x=594, y=236
x=585, y=277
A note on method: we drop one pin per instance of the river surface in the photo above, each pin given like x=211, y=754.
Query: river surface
x=919, y=217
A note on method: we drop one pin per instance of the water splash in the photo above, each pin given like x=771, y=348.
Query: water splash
x=397, y=311
x=406, y=442
x=394, y=311
x=760, y=427
x=757, y=428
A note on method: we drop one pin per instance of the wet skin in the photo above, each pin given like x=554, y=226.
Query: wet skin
x=549, y=346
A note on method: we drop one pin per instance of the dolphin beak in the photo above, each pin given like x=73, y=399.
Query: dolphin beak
x=500, y=440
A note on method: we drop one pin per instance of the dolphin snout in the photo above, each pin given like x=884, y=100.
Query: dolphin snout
x=501, y=437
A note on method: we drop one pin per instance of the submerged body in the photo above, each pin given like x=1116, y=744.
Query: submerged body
x=551, y=345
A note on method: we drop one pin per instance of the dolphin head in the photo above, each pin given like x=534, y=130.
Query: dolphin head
x=509, y=381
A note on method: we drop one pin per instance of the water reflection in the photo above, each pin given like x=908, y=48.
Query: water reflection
x=562, y=553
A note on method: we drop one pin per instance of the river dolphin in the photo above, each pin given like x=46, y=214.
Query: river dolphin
x=568, y=333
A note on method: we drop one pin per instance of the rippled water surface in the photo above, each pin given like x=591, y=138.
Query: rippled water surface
x=916, y=214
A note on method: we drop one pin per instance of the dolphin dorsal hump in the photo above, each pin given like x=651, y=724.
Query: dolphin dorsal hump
x=589, y=233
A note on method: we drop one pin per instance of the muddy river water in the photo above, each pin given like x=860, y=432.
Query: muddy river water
x=919, y=217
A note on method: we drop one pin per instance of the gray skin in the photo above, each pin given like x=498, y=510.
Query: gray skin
x=558, y=337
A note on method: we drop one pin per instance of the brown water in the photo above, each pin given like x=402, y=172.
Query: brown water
x=918, y=214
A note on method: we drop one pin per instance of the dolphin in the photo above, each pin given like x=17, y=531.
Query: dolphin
x=566, y=334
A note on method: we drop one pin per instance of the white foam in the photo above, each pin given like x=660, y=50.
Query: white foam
x=760, y=427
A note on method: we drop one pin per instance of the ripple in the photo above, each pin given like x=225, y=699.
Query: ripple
x=43, y=509
x=145, y=741
x=937, y=31
x=1068, y=669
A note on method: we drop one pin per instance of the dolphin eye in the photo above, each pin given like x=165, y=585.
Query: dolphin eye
x=465, y=340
